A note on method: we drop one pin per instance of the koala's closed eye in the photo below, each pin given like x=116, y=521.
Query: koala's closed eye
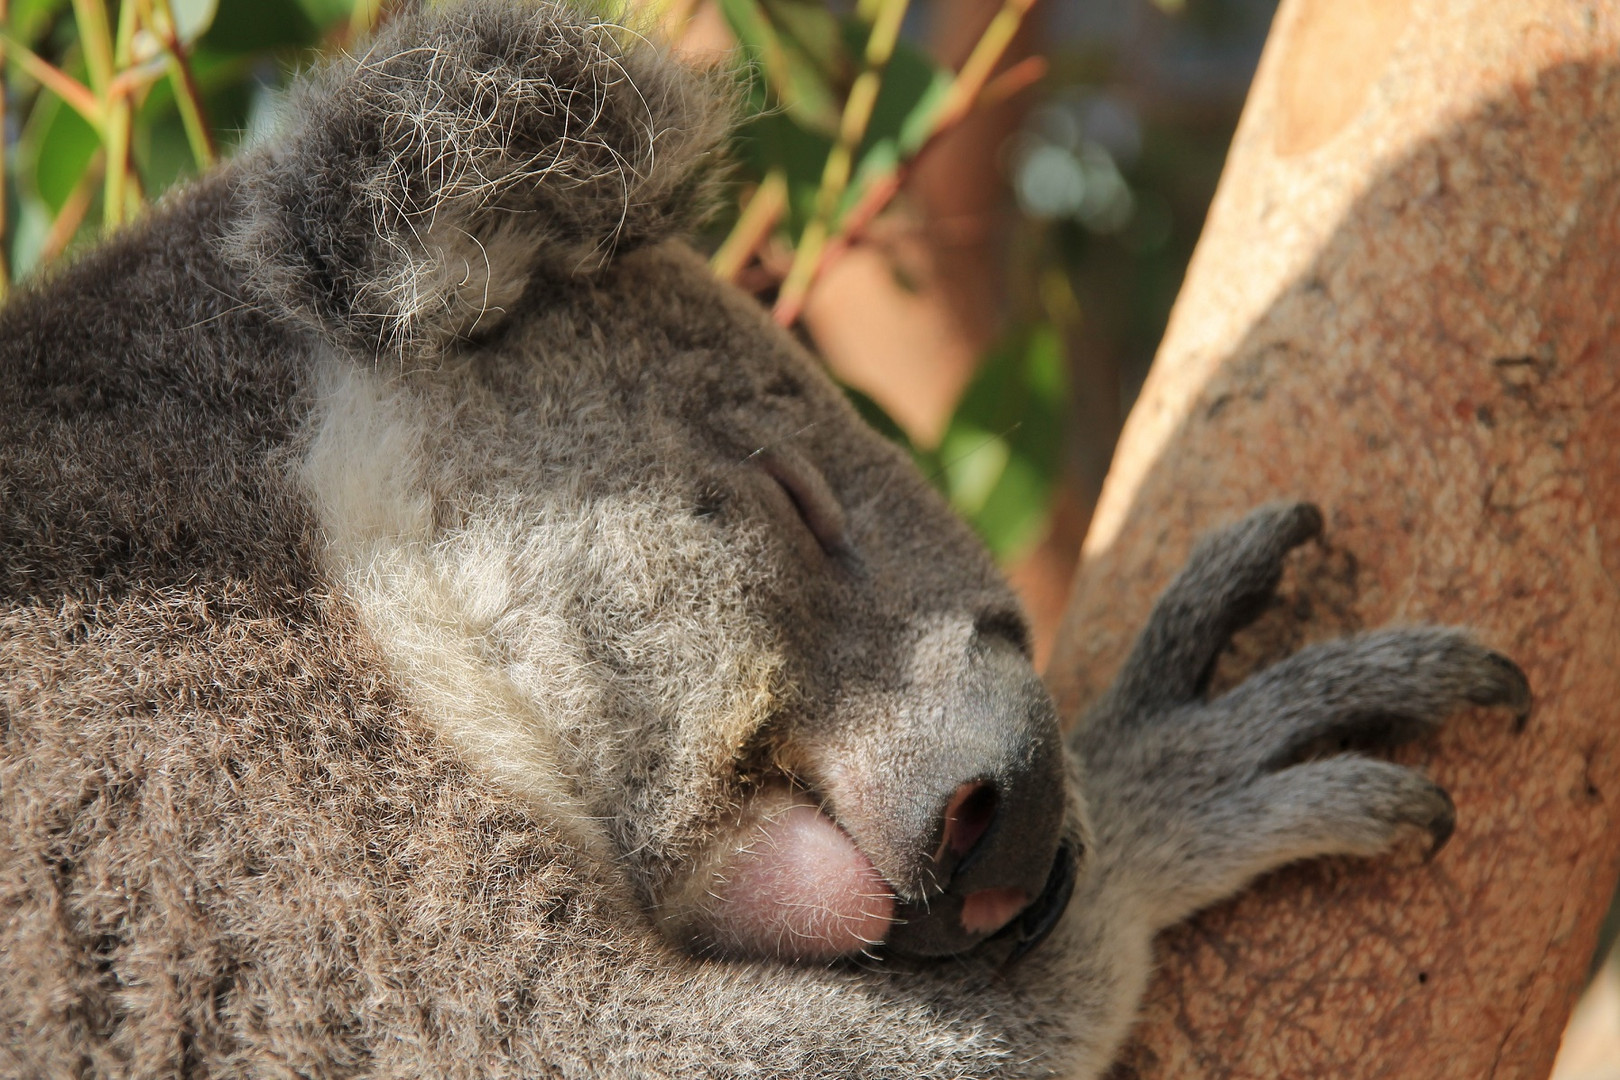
x=812, y=498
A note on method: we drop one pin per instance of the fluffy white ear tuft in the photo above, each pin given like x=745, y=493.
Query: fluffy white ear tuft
x=416, y=187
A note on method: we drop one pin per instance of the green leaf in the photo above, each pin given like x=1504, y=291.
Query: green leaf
x=33, y=223
x=999, y=459
x=162, y=150
x=796, y=46
x=974, y=460
x=193, y=17
x=774, y=139
x=1015, y=516
x=261, y=25
x=814, y=37
x=62, y=145
x=327, y=13
x=29, y=18
x=1002, y=450
x=902, y=118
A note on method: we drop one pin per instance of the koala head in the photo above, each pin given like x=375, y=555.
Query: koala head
x=625, y=543
x=787, y=682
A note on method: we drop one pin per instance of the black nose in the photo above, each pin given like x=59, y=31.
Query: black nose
x=995, y=862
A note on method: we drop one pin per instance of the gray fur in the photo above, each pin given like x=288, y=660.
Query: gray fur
x=391, y=674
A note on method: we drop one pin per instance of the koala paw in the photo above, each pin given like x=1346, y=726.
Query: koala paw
x=1192, y=798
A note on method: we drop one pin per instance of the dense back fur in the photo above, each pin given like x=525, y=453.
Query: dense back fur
x=232, y=850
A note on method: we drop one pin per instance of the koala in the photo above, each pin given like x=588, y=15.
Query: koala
x=445, y=632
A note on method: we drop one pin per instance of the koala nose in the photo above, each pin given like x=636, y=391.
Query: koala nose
x=968, y=816
x=998, y=859
x=1002, y=872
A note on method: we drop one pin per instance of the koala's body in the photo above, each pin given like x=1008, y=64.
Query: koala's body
x=445, y=633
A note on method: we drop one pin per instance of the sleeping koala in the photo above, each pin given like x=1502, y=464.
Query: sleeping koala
x=446, y=633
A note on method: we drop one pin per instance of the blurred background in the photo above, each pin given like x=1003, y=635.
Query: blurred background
x=978, y=212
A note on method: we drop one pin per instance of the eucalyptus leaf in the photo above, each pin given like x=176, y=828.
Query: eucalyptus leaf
x=33, y=223
x=1002, y=450
x=775, y=139
x=260, y=26
x=799, y=75
x=28, y=18
x=326, y=13
x=193, y=17
x=60, y=148
x=902, y=118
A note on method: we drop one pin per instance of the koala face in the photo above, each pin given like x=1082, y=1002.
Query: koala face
x=785, y=680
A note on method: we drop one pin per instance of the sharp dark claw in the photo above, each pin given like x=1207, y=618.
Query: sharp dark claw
x=1307, y=524
x=1512, y=689
x=1442, y=825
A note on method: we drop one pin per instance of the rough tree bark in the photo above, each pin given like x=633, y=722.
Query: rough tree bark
x=1405, y=306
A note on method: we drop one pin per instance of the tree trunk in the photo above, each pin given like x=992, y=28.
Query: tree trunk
x=1404, y=307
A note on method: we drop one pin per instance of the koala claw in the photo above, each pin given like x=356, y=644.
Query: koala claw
x=1199, y=796
x=1510, y=688
x=1227, y=582
x=1300, y=522
x=1376, y=689
x=1442, y=825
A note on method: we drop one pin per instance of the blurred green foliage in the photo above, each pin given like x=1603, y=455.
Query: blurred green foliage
x=998, y=462
x=237, y=53
x=800, y=62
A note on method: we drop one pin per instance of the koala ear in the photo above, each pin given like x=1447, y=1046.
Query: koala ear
x=414, y=188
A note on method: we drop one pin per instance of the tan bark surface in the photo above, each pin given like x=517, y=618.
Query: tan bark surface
x=1406, y=307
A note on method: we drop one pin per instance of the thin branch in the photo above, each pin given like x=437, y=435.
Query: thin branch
x=841, y=161
x=965, y=90
x=187, y=97
x=95, y=37
x=981, y=62
x=73, y=93
x=1015, y=80
x=883, y=188
x=766, y=204
x=132, y=81
x=759, y=217
x=120, y=127
x=71, y=216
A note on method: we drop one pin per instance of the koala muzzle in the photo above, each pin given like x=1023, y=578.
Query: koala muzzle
x=997, y=862
x=958, y=799
x=941, y=831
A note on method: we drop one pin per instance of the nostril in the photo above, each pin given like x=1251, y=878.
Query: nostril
x=988, y=910
x=967, y=818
